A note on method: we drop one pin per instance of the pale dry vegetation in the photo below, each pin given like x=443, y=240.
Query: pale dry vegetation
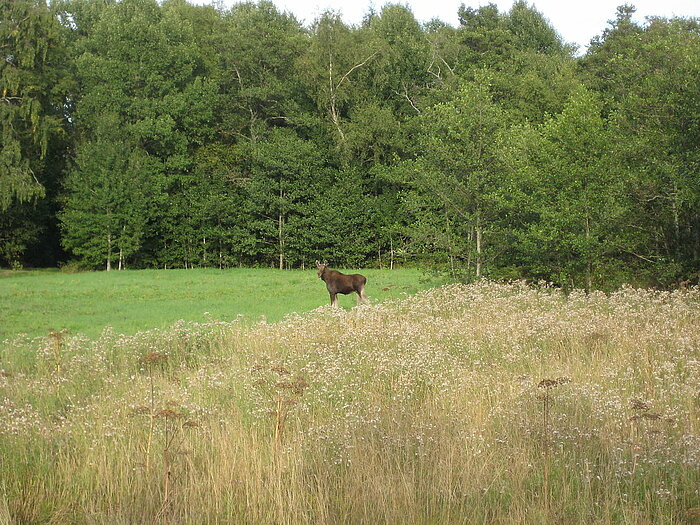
x=486, y=403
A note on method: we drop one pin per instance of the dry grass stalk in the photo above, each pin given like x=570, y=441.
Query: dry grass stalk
x=419, y=411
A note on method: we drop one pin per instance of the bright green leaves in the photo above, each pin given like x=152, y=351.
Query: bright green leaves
x=648, y=76
x=577, y=196
x=31, y=96
x=458, y=166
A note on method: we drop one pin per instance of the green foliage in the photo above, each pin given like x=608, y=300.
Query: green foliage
x=199, y=136
x=531, y=31
x=261, y=48
x=285, y=173
x=458, y=165
x=577, y=200
x=110, y=196
x=17, y=231
x=399, y=76
x=31, y=95
x=648, y=76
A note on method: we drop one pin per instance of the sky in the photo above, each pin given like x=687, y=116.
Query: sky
x=576, y=22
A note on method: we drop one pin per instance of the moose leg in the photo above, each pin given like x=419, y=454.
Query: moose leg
x=361, y=297
x=334, y=299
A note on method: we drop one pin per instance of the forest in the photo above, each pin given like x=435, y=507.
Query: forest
x=147, y=134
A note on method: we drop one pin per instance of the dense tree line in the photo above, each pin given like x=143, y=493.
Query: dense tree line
x=147, y=134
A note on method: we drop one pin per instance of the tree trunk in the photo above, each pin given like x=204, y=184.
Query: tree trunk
x=589, y=263
x=391, y=253
x=280, y=232
x=450, y=248
x=109, y=252
x=676, y=220
x=470, y=238
x=478, y=246
x=333, y=90
x=696, y=247
x=331, y=102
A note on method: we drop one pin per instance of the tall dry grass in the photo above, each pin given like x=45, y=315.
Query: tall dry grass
x=486, y=403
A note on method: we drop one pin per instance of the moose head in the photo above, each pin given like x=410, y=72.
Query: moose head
x=321, y=267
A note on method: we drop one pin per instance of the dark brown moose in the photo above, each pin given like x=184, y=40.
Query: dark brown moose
x=337, y=282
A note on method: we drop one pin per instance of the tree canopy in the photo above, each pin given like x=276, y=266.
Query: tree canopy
x=147, y=134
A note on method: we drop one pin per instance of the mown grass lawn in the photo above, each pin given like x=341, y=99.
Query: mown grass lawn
x=37, y=302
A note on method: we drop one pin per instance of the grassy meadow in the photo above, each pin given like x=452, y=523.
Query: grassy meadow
x=484, y=403
x=38, y=302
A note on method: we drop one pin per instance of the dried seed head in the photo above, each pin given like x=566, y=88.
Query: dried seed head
x=281, y=370
x=638, y=404
x=139, y=410
x=154, y=358
x=168, y=413
x=646, y=415
x=551, y=383
x=300, y=384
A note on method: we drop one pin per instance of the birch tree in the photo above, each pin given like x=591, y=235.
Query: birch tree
x=459, y=165
x=31, y=96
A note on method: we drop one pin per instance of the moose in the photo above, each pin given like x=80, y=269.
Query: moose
x=337, y=282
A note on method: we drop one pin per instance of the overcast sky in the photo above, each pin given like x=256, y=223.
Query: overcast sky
x=577, y=22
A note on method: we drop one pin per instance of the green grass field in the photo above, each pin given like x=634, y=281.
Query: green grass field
x=37, y=302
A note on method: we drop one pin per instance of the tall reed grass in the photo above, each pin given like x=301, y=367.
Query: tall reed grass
x=487, y=403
